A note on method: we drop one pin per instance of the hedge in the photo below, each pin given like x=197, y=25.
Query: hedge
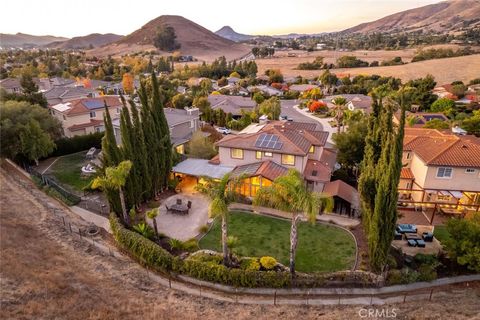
x=77, y=144
x=152, y=255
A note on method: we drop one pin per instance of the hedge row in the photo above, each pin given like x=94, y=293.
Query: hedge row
x=157, y=258
x=77, y=144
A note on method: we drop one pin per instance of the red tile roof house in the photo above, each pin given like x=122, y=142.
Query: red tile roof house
x=266, y=151
x=84, y=116
x=441, y=174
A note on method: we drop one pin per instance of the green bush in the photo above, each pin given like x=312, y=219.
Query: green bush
x=205, y=257
x=145, y=230
x=268, y=262
x=204, y=228
x=427, y=272
x=191, y=245
x=176, y=244
x=394, y=277
x=254, y=265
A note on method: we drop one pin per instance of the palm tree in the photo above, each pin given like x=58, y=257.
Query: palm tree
x=222, y=193
x=339, y=103
x=289, y=193
x=152, y=214
x=114, y=179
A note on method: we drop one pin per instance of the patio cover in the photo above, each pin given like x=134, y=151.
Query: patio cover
x=201, y=167
x=455, y=194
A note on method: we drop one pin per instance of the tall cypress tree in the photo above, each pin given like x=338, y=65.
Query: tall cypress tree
x=141, y=155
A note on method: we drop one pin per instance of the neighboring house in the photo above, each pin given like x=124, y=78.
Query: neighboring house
x=58, y=95
x=233, y=80
x=421, y=118
x=182, y=124
x=354, y=102
x=268, y=90
x=231, y=104
x=302, y=87
x=84, y=116
x=235, y=89
x=441, y=172
x=12, y=85
x=444, y=91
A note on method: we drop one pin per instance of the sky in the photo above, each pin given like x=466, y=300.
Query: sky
x=77, y=18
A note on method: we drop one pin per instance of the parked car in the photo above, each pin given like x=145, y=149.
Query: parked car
x=223, y=130
x=286, y=118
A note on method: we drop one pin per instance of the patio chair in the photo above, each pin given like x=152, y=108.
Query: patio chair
x=420, y=243
x=179, y=201
x=412, y=243
x=427, y=236
x=189, y=204
x=397, y=235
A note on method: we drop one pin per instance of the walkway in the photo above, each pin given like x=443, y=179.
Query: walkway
x=91, y=217
x=183, y=227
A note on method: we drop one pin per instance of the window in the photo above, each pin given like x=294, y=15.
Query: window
x=93, y=114
x=180, y=149
x=312, y=149
x=444, y=172
x=268, y=154
x=408, y=155
x=470, y=170
x=258, y=155
x=236, y=153
x=288, y=159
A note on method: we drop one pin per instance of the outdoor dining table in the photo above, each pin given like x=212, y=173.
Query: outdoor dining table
x=180, y=208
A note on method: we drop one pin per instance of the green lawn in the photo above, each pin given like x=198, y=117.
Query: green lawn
x=441, y=233
x=320, y=248
x=67, y=170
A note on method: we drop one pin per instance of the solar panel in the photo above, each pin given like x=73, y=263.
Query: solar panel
x=93, y=104
x=260, y=140
x=268, y=141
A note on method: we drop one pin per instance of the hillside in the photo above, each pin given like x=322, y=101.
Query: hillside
x=194, y=40
x=93, y=40
x=22, y=40
x=228, y=33
x=439, y=17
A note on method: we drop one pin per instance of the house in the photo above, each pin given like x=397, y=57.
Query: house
x=13, y=85
x=235, y=89
x=440, y=174
x=58, y=95
x=302, y=87
x=84, y=116
x=419, y=118
x=354, y=102
x=263, y=152
x=267, y=90
x=231, y=104
x=181, y=122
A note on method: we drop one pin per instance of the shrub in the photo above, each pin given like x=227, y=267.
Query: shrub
x=268, y=263
x=191, y=245
x=145, y=230
x=204, y=228
x=254, y=265
x=394, y=277
x=175, y=244
x=318, y=107
x=77, y=144
x=427, y=272
x=205, y=257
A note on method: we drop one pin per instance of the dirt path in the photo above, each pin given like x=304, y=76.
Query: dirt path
x=46, y=273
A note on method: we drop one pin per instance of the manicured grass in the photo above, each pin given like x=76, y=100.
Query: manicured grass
x=441, y=233
x=68, y=171
x=320, y=248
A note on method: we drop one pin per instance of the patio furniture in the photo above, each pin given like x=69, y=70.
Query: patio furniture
x=411, y=236
x=179, y=201
x=91, y=153
x=167, y=208
x=420, y=243
x=179, y=208
x=406, y=228
x=397, y=235
x=427, y=236
x=412, y=243
x=189, y=204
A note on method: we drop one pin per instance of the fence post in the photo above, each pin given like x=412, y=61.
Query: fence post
x=275, y=297
x=70, y=225
x=431, y=293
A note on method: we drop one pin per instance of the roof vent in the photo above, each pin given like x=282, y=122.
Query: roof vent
x=464, y=146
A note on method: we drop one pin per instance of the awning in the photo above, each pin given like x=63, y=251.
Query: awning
x=201, y=167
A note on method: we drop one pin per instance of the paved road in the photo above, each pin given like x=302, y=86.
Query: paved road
x=291, y=113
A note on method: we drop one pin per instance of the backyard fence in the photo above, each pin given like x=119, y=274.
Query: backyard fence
x=50, y=182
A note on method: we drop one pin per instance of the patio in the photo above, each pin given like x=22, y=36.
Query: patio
x=183, y=226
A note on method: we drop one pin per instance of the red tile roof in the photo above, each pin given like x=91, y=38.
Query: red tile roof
x=317, y=171
x=79, y=106
x=267, y=169
x=406, y=173
x=443, y=149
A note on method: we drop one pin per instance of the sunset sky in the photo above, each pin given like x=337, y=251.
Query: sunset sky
x=77, y=18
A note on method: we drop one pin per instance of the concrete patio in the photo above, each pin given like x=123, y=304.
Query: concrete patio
x=183, y=227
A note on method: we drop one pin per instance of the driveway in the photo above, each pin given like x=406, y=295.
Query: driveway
x=289, y=110
x=183, y=227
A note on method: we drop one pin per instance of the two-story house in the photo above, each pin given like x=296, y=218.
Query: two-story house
x=181, y=122
x=441, y=172
x=84, y=116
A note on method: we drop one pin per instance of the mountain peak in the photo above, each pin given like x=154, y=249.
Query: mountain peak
x=227, y=32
